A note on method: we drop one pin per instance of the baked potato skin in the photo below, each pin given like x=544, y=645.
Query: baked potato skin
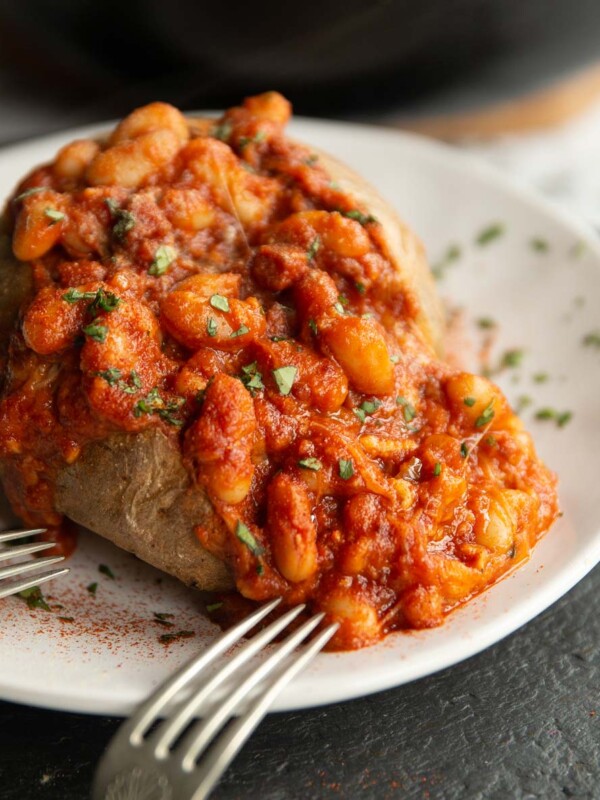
x=134, y=489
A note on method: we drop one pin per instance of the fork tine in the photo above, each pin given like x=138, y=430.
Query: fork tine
x=8, y=536
x=228, y=745
x=202, y=733
x=24, y=550
x=151, y=708
x=38, y=580
x=29, y=566
x=166, y=735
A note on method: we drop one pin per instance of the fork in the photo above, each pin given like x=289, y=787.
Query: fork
x=182, y=757
x=8, y=587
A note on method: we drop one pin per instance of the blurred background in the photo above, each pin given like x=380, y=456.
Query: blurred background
x=510, y=78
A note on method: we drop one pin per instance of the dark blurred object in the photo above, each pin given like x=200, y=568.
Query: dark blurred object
x=332, y=58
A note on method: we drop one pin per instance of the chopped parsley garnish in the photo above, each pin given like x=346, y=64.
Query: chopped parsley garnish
x=252, y=378
x=28, y=192
x=539, y=245
x=343, y=300
x=34, y=598
x=211, y=326
x=113, y=377
x=162, y=618
x=313, y=248
x=153, y=403
x=53, y=215
x=408, y=411
x=469, y=401
x=540, y=377
x=167, y=638
x=101, y=300
x=490, y=233
x=92, y=588
x=74, y=296
x=491, y=441
x=258, y=137
x=346, y=468
x=163, y=258
x=222, y=131
x=354, y=213
x=591, y=339
x=240, y=332
x=367, y=408
x=96, y=332
x=123, y=221
x=219, y=302
x=360, y=287
x=512, y=358
x=213, y=607
x=451, y=255
x=486, y=323
x=464, y=450
x=487, y=415
x=310, y=463
x=437, y=470
x=245, y=535
x=313, y=326
x=104, y=569
x=284, y=378
x=560, y=417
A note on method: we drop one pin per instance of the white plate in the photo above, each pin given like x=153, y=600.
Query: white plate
x=109, y=658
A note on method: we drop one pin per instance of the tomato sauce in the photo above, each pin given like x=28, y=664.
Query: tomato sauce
x=210, y=279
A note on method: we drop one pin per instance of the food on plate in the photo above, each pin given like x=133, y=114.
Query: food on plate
x=223, y=351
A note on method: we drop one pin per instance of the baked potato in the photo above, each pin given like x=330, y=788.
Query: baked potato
x=223, y=351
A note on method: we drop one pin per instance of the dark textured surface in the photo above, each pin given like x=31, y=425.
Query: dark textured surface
x=518, y=721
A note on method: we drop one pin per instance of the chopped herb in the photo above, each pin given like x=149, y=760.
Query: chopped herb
x=222, y=131
x=113, y=377
x=563, y=418
x=409, y=412
x=512, y=358
x=279, y=338
x=101, y=300
x=360, y=287
x=485, y=323
x=96, y=332
x=487, y=415
x=591, y=339
x=284, y=378
x=523, y=402
x=53, y=215
x=545, y=413
x=367, y=408
x=343, y=300
x=464, y=450
x=167, y=638
x=259, y=569
x=490, y=233
x=123, y=221
x=163, y=619
x=258, y=137
x=313, y=248
x=106, y=570
x=34, y=598
x=437, y=470
x=163, y=258
x=469, y=401
x=346, y=468
x=539, y=245
x=211, y=326
x=92, y=588
x=354, y=213
x=560, y=417
x=219, y=302
x=153, y=403
x=28, y=192
x=213, y=607
x=245, y=535
x=252, y=378
x=491, y=441
x=360, y=413
x=74, y=296
x=240, y=332
x=310, y=463
x=313, y=326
